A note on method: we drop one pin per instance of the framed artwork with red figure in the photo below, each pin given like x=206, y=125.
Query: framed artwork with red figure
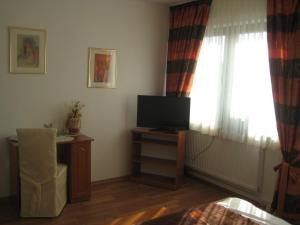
x=27, y=50
x=102, y=68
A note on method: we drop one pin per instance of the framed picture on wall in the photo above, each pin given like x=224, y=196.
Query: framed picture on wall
x=102, y=68
x=27, y=50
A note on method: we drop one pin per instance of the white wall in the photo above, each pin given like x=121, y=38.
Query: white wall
x=137, y=29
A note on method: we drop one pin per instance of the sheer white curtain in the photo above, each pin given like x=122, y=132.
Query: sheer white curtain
x=231, y=94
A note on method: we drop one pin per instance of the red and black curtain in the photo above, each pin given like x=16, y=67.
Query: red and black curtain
x=283, y=27
x=187, y=27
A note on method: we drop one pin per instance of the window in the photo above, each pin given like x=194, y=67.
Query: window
x=231, y=94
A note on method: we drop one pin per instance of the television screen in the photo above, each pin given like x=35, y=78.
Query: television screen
x=161, y=112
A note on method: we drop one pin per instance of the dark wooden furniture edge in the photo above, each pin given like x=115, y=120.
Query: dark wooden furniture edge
x=142, y=136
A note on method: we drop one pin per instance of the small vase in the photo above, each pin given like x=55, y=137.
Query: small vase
x=74, y=125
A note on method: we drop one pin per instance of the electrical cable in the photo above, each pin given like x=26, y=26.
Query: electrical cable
x=206, y=148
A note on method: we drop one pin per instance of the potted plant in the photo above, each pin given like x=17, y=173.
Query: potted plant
x=73, y=121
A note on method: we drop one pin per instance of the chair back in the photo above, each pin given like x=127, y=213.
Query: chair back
x=37, y=153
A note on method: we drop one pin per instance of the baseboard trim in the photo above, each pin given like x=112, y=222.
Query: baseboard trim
x=110, y=180
x=221, y=181
x=10, y=198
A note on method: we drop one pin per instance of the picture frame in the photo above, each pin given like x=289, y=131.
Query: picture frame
x=27, y=50
x=102, y=68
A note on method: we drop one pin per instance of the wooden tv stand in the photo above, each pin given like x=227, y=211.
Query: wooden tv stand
x=142, y=136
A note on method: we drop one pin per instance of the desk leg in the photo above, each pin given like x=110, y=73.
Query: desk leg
x=14, y=175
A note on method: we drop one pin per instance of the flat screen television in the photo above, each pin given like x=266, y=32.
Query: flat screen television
x=163, y=113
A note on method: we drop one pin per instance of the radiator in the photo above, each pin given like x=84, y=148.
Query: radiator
x=226, y=162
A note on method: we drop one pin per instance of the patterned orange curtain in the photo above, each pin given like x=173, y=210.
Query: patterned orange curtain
x=283, y=26
x=187, y=27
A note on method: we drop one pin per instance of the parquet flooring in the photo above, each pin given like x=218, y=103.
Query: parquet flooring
x=124, y=202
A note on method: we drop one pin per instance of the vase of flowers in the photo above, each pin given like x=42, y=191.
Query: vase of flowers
x=74, y=117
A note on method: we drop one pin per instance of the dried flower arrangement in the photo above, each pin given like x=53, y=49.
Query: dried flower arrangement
x=73, y=121
x=75, y=111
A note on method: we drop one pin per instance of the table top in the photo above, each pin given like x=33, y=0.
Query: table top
x=60, y=139
x=149, y=131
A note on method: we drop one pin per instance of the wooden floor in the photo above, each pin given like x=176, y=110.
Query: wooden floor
x=118, y=201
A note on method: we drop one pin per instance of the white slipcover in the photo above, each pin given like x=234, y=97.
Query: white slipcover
x=43, y=182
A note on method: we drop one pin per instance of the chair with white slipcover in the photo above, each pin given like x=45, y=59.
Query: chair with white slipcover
x=43, y=181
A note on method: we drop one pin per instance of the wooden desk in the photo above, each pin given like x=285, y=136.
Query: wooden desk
x=76, y=154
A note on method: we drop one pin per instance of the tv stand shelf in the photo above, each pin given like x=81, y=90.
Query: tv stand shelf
x=142, y=136
x=149, y=159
